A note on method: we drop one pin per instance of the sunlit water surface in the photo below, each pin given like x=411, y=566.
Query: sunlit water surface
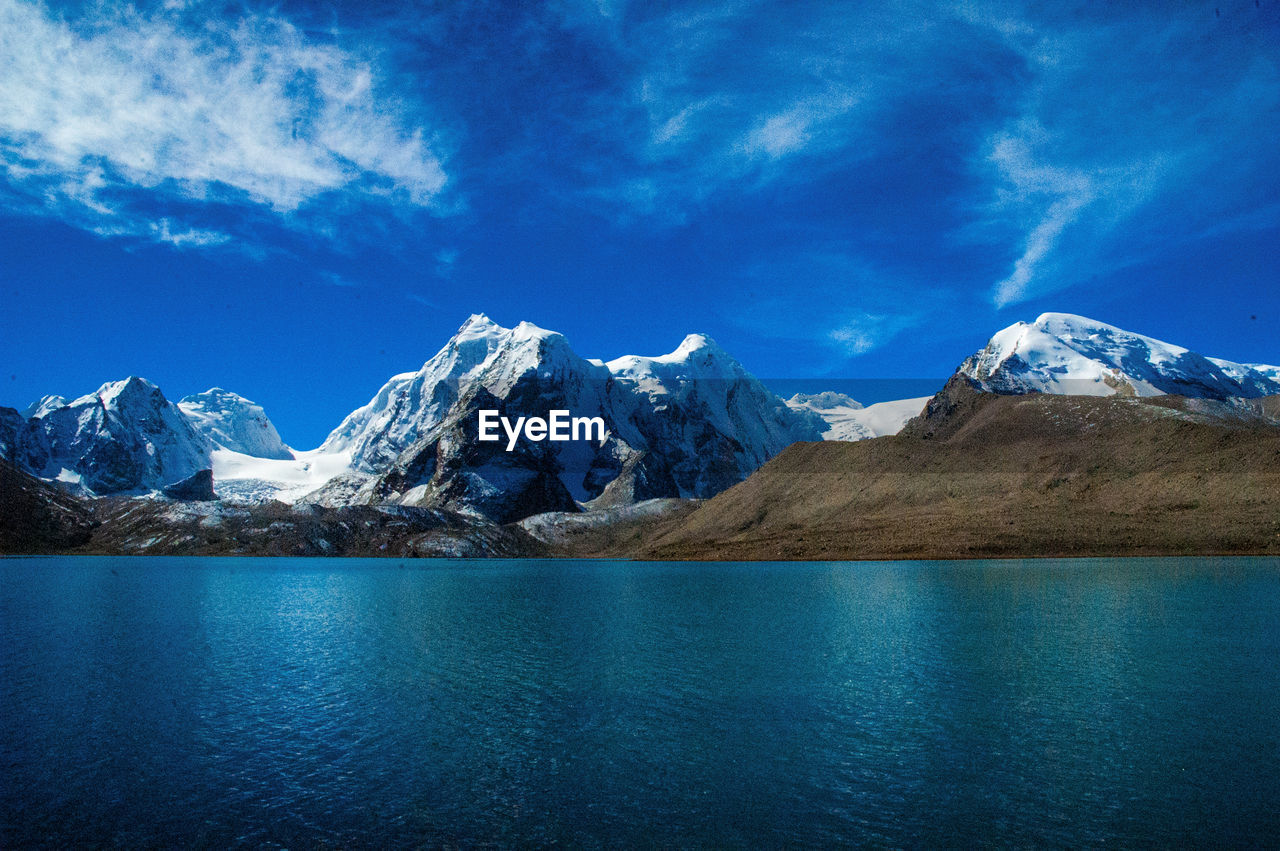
x=308, y=702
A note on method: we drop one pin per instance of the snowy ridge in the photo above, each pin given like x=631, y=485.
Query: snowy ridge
x=231, y=421
x=1061, y=353
x=43, y=406
x=826, y=401
x=708, y=385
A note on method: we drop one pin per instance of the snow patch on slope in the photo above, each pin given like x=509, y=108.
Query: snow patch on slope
x=238, y=477
x=849, y=420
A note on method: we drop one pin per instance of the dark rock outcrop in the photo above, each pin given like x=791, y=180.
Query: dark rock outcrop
x=198, y=487
x=38, y=517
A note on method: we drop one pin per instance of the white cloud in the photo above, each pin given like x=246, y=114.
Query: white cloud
x=194, y=111
x=1127, y=131
x=725, y=98
x=861, y=333
x=163, y=231
x=1057, y=196
x=780, y=134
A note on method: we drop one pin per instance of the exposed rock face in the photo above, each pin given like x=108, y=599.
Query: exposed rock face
x=232, y=422
x=451, y=468
x=158, y=527
x=12, y=431
x=195, y=488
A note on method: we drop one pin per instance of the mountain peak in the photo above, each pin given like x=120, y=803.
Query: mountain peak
x=125, y=437
x=1064, y=353
x=233, y=422
x=529, y=331
x=478, y=327
x=42, y=406
x=131, y=389
x=696, y=342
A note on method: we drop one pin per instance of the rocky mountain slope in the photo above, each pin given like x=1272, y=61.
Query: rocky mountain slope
x=128, y=438
x=1057, y=437
x=37, y=517
x=164, y=527
x=686, y=425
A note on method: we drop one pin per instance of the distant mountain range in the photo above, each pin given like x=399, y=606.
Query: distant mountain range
x=686, y=425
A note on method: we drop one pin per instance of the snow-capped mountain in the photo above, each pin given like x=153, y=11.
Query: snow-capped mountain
x=846, y=419
x=231, y=421
x=126, y=437
x=685, y=424
x=1061, y=353
x=480, y=354
x=712, y=421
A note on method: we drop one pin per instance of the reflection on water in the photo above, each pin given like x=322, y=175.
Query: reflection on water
x=304, y=702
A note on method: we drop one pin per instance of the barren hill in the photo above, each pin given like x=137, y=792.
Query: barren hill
x=985, y=475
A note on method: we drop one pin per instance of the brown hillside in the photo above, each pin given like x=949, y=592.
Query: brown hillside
x=980, y=475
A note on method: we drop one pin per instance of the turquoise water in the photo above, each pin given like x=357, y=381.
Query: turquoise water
x=306, y=702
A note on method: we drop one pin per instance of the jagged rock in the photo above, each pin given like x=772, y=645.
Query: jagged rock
x=37, y=517
x=197, y=487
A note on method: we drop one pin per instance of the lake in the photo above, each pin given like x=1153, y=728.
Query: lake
x=305, y=702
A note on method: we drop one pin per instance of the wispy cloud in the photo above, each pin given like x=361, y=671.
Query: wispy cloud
x=105, y=117
x=849, y=306
x=334, y=279
x=1123, y=116
x=1082, y=127
x=1052, y=197
x=446, y=261
x=164, y=231
x=729, y=96
x=862, y=332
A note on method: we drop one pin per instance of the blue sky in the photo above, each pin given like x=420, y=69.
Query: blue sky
x=296, y=201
